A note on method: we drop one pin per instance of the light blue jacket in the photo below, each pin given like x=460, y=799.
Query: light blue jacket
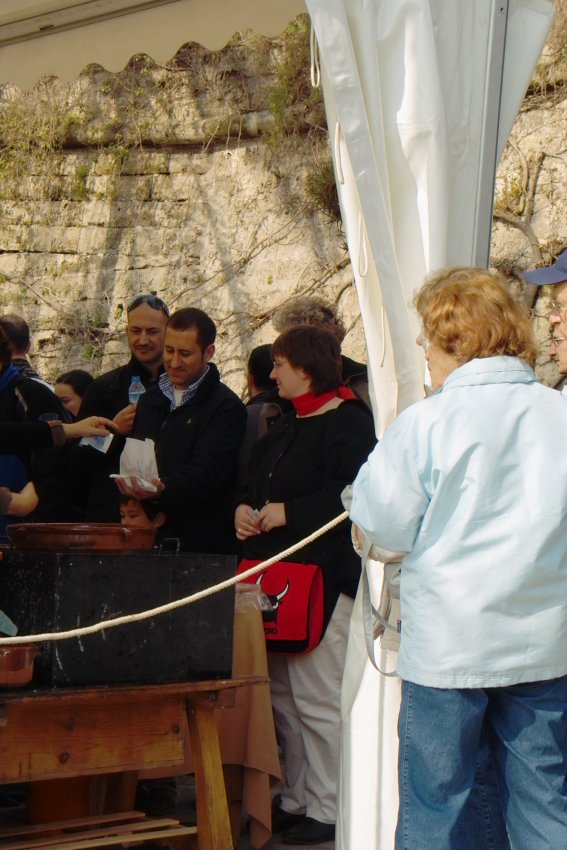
x=472, y=484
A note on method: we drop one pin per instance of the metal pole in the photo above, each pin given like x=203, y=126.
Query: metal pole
x=489, y=135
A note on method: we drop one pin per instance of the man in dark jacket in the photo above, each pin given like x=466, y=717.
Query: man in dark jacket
x=197, y=424
x=107, y=396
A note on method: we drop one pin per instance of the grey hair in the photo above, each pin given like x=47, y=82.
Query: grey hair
x=309, y=310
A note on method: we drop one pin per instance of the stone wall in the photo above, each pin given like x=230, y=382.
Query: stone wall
x=196, y=182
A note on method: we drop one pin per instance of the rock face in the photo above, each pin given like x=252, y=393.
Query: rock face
x=203, y=182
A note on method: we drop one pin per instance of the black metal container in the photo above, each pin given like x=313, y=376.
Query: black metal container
x=45, y=592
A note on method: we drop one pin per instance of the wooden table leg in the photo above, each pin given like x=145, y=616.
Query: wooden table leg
x=118, y=792
x=213, y=823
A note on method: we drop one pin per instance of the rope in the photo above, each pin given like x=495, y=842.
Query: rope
x=178, y=603
x=383, y=355
x=338, y=161
x=362, y=255
x=314, y=56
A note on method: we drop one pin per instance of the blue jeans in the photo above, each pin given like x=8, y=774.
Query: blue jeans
x=441, y=736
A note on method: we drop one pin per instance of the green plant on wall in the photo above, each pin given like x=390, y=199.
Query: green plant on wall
x=33, y=126
x=79, y=186
x=321, y=190
x=292, y=97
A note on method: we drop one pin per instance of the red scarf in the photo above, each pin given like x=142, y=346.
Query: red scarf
x=310, y=402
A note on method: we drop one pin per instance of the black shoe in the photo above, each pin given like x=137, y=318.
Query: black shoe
x=309, y=831
x=284, y=820
x=157, y=797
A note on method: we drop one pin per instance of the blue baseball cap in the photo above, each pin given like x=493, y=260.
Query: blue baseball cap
x=548, y=275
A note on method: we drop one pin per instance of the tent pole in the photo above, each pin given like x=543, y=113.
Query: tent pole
x=489, y=137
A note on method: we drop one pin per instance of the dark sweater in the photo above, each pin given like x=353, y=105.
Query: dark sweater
x=306, y=463
x=197, y=446
x=24, y=436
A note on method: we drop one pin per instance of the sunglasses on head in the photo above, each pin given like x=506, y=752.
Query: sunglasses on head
x=152, y=300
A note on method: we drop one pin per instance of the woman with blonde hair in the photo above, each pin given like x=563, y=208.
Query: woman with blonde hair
x=471, y=484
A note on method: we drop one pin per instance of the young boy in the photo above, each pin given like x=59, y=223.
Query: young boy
x=136, y=514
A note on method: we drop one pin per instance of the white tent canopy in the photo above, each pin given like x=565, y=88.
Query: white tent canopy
x=421, y=96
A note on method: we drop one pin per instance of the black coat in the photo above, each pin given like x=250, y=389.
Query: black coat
x=106, y=396
x=24, y=437
x=306, y=464
x=28, y=400
x=197, y=446
x=355, y=377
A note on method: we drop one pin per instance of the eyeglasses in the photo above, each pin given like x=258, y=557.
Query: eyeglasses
x=152, y=300
x=556, y=307
x=423, y=341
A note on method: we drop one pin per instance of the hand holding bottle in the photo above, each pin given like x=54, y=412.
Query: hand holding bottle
x=124, y=419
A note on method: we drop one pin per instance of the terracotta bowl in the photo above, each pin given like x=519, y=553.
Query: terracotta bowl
x=16, y=665
x=79, y=537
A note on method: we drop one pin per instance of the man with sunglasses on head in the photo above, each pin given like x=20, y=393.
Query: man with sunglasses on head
x=146, y=320
x=555, y=275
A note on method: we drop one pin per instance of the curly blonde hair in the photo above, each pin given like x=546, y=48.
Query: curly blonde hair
x=470, y=312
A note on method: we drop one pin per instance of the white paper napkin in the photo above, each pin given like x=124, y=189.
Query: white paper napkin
x=138, y=460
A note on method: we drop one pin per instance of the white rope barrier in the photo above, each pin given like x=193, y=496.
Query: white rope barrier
x=178, y=603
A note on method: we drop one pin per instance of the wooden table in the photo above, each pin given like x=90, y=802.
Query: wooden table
x=55, y=735
x=247, y=736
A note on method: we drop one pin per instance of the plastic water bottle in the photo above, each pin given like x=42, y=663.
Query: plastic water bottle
x=135, y=390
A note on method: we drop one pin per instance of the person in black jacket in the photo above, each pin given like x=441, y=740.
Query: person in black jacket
x=32, y=436
x=25, y=400
x=264, y=406
x=197, y=424
x=107, y=396
x=297, y=473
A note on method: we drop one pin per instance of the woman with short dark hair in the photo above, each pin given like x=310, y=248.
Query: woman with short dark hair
x=471, y=484
x=297, y=473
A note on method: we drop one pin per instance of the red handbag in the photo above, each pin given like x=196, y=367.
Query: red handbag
x=296, y=621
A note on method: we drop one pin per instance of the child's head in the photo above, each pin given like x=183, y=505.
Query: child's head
x=137, y=514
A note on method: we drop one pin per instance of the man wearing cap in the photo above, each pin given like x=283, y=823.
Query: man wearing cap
x=146, y=320
x=555, y=275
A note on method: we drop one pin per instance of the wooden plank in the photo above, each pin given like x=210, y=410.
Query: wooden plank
x=70, y=832
x=124, y=693
x=91, y=738
x=212, y=811
x=78, y=823
x=107, y=841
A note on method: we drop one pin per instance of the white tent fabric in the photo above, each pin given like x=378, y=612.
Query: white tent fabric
x=413, y=93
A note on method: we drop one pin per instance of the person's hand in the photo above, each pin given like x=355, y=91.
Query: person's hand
x=133, y=489
x=272, y=516
x=124, y=420
x=245, y=522
x=24, y=502
x=92, y=426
